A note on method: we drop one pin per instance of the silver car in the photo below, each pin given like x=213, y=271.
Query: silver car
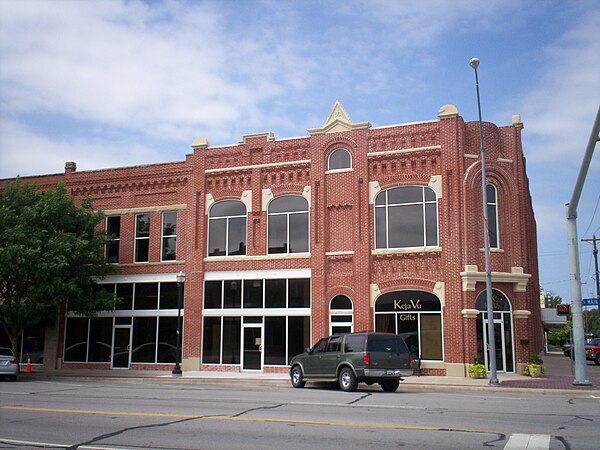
x=8, y=364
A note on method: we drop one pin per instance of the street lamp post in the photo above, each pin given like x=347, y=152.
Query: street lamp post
x=180, y=280
x=474, y=63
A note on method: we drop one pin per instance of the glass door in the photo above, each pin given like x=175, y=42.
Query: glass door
x=252, y=345
x=500, y=344
x=121, y=347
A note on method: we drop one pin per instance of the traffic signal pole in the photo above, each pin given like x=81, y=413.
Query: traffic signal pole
x=573, y=243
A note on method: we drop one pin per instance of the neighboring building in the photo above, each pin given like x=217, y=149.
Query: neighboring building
x=284, y=241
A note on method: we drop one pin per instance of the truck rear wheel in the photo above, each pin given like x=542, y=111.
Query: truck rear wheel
x=389, y=385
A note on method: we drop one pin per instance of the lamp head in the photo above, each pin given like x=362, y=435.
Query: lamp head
x=474, y=63
x=180, y=277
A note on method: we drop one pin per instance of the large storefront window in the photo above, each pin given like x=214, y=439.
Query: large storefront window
x=31, y=345
x=256, y=321
x=142, y=329
x=417, y=317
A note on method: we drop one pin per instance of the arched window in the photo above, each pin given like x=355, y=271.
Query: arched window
x=340, y=315
x=417, y=317
x=288, y=225
x=340, y=159
x=227, y=228
x=492, y=210
x=406, y=216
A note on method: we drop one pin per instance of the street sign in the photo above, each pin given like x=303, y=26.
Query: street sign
x=563, y=310
x=589, y=302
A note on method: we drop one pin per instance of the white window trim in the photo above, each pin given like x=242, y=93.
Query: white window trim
x=387, y=218
x=287, y=214
x=163, y=236
x=136, y=238
x=227, y=219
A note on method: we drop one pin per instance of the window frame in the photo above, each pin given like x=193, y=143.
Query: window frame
x=168, y=236
x=227, y=229
x=492, y=210
x=287, y=215
x=110, y=241
x=339, y=169
x=138, y=238
x=424, y=216
x=341, y=312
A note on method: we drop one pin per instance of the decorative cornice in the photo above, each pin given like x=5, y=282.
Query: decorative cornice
x=148, y=209
x=146, y=185
x=517, y=277
x=404, y=150
x=259, y=166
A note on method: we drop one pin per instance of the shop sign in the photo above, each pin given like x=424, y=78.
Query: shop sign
x=563, y=310
x=407, y=305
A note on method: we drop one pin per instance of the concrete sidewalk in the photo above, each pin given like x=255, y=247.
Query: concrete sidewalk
x=557, y=378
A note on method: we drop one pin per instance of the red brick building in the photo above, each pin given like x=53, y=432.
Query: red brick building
x=284, y=241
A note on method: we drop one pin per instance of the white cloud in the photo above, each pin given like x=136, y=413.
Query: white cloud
x=560, y=111
x=40, y=154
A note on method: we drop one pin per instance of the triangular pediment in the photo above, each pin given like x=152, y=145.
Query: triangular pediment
x=337, y=121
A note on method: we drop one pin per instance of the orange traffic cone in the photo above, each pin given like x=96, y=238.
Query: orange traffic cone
x=28, y=367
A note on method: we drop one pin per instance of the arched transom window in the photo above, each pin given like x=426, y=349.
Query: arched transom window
x=406, y=216
x=340, y=159
x=227, y=228
x=288, y=225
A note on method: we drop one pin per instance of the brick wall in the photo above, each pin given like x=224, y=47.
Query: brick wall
x=444, y=152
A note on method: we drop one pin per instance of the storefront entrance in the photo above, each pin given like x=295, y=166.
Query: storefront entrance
x=502, y=332
x=121, y=347
x=252, y=345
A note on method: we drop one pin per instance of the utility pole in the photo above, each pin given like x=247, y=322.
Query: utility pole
x=595, y=253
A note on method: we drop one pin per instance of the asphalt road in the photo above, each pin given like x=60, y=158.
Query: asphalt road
x=167, y=415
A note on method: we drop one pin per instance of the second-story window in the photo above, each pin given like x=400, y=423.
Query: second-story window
x=340, y=159
x=227, y=228
x=288, y=225
x=406, y=216
x=113, y=237
x=169, y=236
x=142, y=237
x=492, y=210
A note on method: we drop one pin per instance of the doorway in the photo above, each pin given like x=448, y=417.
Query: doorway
x=121, y=347
x=252, y=346
x=503, y=332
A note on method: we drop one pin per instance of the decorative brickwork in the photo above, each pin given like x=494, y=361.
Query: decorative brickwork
x=442, y=154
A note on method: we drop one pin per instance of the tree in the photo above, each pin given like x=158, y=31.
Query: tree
x=50, y=256
x=552, y=300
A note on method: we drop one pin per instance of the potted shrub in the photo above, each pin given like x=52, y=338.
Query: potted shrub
x=535, y=367
x=476, y=369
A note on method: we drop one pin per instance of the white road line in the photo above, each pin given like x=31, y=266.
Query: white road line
x=51, y=445
x=528, y=442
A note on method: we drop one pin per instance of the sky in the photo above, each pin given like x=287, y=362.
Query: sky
x=110, y=83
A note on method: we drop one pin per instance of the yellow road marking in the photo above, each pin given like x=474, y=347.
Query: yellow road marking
x=247, y=419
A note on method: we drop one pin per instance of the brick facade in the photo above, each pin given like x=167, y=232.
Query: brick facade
x=442, y=154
